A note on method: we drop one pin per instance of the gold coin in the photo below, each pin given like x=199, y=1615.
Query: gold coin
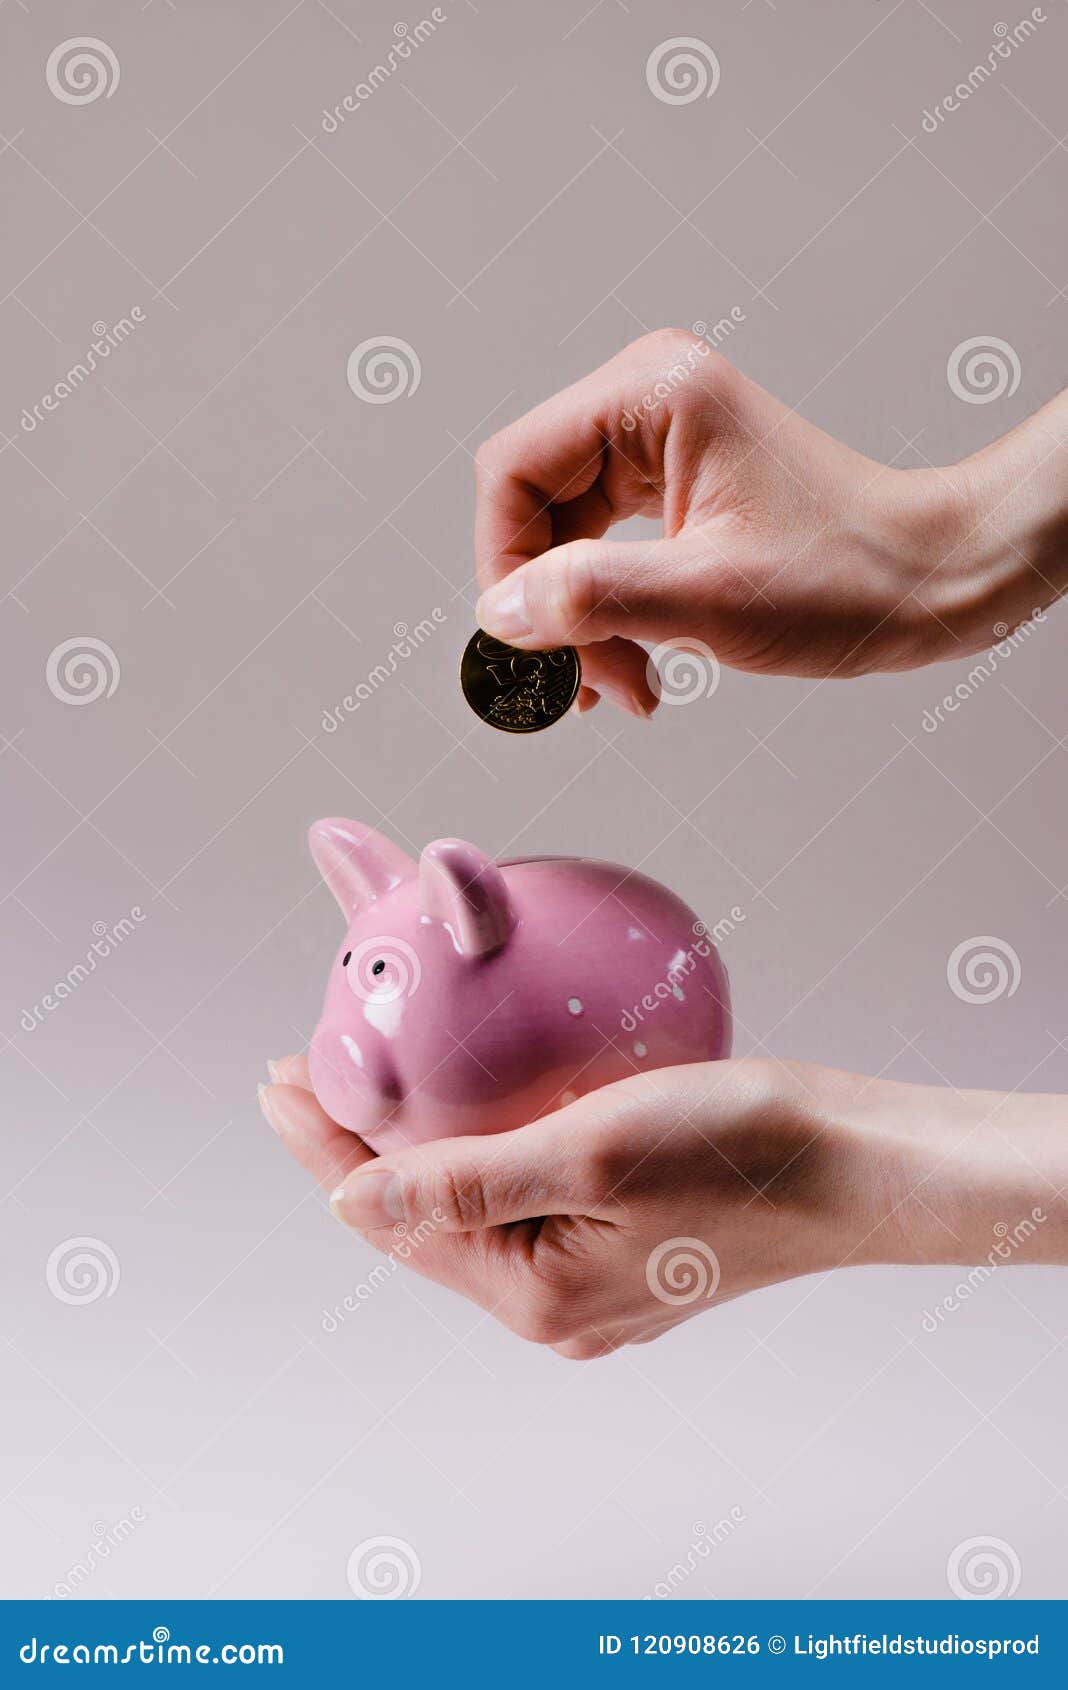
x=519, y=692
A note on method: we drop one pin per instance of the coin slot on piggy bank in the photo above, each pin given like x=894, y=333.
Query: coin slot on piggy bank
x=471, y=996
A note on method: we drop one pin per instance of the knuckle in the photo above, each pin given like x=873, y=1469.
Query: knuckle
x=610, y=1155
x=736, y=582
x=460, y=1196
x=490, y=456
x=767, y=1083
x=543, y=1316
x=547, y=1326
x=589, y=1348
x=671, y=340
x=579, y=1349
x=574, y=586
x=604, y=1165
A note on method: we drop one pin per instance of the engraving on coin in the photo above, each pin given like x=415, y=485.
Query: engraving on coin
x=519, y=692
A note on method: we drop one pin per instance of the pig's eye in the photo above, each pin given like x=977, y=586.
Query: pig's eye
x=378, y=967
x=345, y=959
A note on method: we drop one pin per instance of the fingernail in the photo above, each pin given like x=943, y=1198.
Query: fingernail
x=270, y=1114
x=502, y=611
x=626, y=700
x=369, y=1200
x=289, y=1071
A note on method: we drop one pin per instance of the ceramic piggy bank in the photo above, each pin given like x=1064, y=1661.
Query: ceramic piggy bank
x=470, y=996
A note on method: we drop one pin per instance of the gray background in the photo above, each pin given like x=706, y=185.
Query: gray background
x=244, y=533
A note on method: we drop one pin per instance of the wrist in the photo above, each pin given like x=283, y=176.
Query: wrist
x=945, y=582
x=950, y=1177
x=1014, y=545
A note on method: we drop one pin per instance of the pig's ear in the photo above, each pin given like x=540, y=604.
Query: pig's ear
x=357, y=863
x=461, y=887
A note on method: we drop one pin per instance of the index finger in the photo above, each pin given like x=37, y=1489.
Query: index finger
x=551, y=456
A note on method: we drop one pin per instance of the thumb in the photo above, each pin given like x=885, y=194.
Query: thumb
x=463, y=1184
x=590, y=590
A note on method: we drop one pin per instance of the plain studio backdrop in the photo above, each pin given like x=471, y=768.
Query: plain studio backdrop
x=235, y=539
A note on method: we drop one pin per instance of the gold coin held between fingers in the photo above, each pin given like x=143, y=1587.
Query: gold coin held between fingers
x=519, y=692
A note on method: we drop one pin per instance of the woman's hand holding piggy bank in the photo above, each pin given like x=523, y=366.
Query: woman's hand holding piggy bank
x=618, y=1216
x=612, y=1178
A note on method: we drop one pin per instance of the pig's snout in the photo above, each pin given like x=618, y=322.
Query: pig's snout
x=355, y=1080
x=374, y=1070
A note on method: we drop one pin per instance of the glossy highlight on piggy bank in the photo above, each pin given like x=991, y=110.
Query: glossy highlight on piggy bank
x=471, y=996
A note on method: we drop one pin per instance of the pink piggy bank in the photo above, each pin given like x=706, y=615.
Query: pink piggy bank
x=470, y=996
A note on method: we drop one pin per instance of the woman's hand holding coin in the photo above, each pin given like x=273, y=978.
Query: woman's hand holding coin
x=782, y=551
